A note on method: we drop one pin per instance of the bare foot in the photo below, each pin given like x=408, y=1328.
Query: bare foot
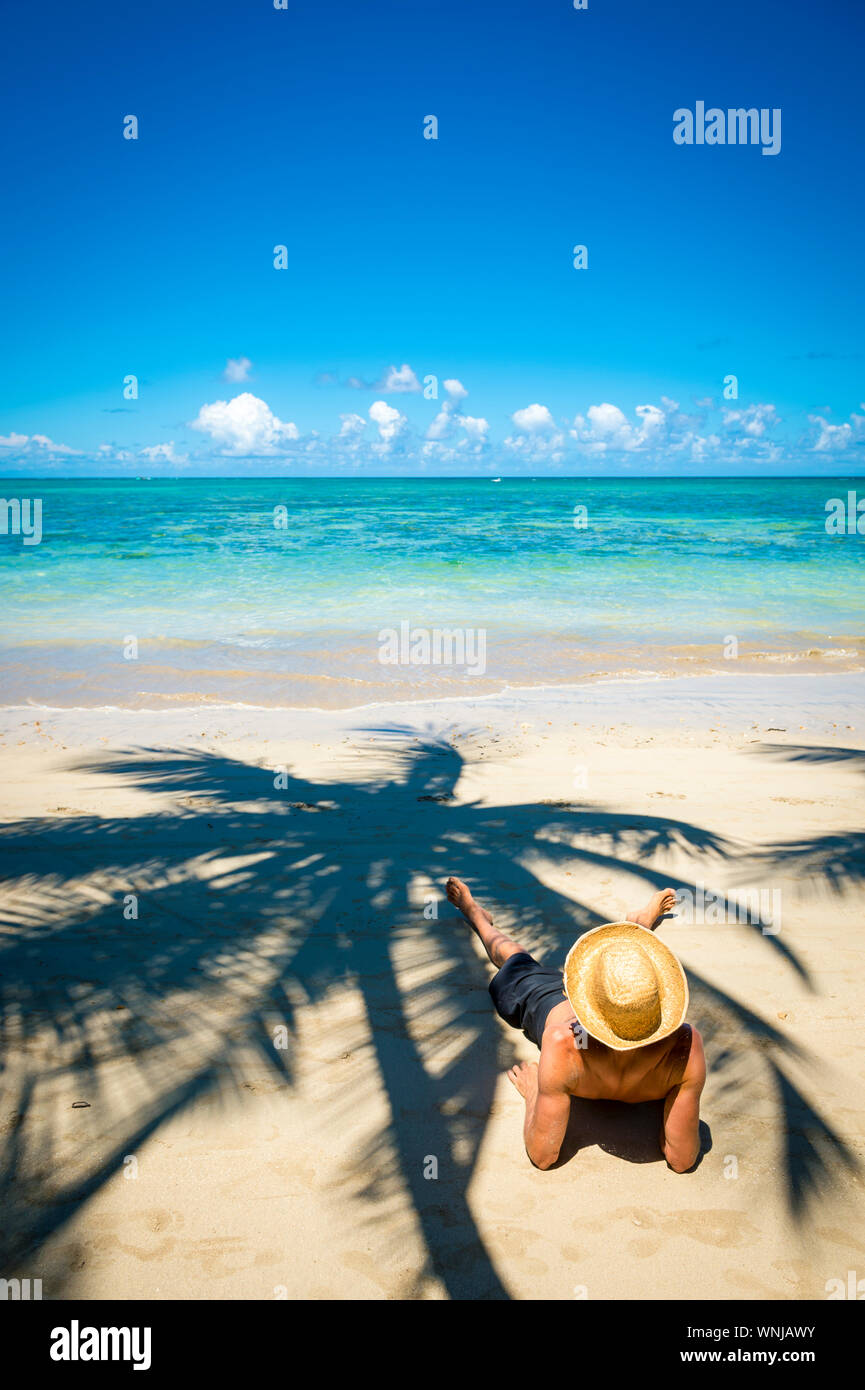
x=657, y=907
x=460, y=895
x=525, y=1077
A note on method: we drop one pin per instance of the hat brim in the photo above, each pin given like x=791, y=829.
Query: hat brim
x=672, y=983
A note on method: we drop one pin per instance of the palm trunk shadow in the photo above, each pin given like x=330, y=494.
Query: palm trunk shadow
x=420, y=1132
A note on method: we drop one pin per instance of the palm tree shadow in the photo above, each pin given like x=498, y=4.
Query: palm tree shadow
x=835, y=860
x=259, y=892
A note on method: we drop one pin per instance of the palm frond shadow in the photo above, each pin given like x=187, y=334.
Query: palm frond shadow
x=836, y=861
x=260, y=891
x=810, y=753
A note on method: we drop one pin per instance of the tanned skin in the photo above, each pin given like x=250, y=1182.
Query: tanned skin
x=672, y=1070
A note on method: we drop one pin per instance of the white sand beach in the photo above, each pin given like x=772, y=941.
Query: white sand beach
x=249, y=1047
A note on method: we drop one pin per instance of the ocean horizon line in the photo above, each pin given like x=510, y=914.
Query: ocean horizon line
x=189, y=477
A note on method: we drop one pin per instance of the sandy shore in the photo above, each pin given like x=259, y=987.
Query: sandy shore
x=249, y=1050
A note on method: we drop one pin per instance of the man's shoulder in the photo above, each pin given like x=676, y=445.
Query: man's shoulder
x=560, y=1058
x=695, y=1066
x=558, y=1035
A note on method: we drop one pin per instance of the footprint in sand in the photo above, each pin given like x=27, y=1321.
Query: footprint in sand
x=718, y=1227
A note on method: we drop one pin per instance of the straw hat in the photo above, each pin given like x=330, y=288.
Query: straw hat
x=625, y=986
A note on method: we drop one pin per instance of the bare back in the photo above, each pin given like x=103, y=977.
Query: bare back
x=596, y=1072
x=672, y=1070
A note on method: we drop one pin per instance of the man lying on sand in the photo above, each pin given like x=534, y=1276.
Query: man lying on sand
x=612, y=1029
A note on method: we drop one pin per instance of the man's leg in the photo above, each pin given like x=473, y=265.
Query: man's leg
x=657, y=907
x=498, y=947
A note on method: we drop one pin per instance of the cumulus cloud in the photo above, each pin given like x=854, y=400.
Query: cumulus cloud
x=33, y=444
x=537, y=437
x=837, y=437
x=716, y=436
x=653, y=423
x=388, y=419
x=244, y=425
x=111, y=451
x=694, y=446
x=753, y=421
x=475, y=426
x=830, y=437
x=399, y=379
x=352, y=426
x=534, y=419
x=237, y=369
x=447, y=424
x=605, y=427
x=163, y=453
x=393, y=379
x=607, y=421
x=442, y=424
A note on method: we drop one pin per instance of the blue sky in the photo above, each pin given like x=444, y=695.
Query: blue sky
x=410, y=258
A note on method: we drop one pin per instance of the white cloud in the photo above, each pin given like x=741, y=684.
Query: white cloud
x=34, y=444
x=653, y=424
x=725, y=436
x=534, y=419
x=607, y=427
x=475, y=426
x=162, y=453
x=694, y=446
x=237, y=369
x=442, y=424
x=399, y=379
x=352, y=426
x=753, y=421
x=832, y=437
x=448, y=420
x=111, y=451
x=388, y=419
x=244, y=425
x=607, y=421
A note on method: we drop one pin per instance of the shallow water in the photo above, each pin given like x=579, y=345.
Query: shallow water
x=227, y=607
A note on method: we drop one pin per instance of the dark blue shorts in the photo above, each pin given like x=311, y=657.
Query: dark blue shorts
x=524, y=992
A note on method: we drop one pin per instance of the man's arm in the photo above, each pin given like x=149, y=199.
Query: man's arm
x=546, y=1123
x=548, y=1103
x=680, y=1140
x=548, y=1109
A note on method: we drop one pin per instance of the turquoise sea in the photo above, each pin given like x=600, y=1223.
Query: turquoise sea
x=226, y=607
